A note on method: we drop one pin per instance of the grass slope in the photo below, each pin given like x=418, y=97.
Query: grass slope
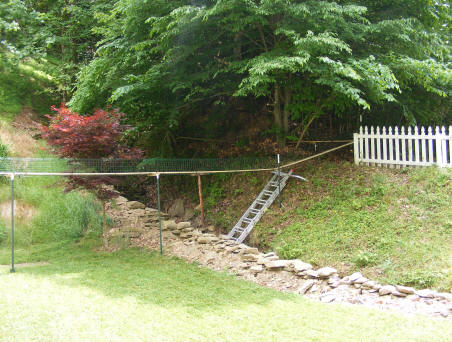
x=23, y=84
x=43, y=212
x=135, y=295
x=393, y=225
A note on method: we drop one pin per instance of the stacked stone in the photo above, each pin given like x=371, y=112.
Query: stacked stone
x=133, y=219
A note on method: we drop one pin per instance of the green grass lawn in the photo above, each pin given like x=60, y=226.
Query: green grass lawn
x=134, y=295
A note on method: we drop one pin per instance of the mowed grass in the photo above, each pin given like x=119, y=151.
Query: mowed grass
x=135, y=295
x=395, y=226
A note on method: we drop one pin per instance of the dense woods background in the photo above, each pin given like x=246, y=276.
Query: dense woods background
x=241, y=72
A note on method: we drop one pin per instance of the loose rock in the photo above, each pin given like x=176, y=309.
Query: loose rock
x=306, y=286
x=256, y=269
x=386, y=290
x=135, y=205
x=326, y=272
x=276, y=264
x=249, y=257
x=426, y=293
x=405, y=289
x=182, y=225
x=299, y=266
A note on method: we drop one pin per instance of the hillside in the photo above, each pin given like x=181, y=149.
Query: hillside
x=43, y=211
x=393, y=225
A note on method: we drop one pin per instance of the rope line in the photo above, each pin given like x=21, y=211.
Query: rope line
x=316, y=155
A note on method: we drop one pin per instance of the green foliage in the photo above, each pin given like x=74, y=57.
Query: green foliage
x=66, y=217
x=364, y=258
x=4, y=151
x=22, y=84
x=422, y=278
x=166, y=62
x=179, y=65
x=214, y=190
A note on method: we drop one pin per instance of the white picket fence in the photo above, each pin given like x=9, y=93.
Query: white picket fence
x=405, y=147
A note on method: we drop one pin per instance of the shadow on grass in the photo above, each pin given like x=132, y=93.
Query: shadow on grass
x=148, y=277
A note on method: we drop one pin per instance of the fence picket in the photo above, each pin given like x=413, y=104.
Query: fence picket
x=366, y=135
x=378, y=142
x=439, y=152
x=450, y=146
x=361, y=143
x=402, y=138
x=391, y=148
x=410, y=147
x=444, y=146
x=384, y=141
x=397, y=147
x=372, y=145
x=416, y=146
x=424, y=146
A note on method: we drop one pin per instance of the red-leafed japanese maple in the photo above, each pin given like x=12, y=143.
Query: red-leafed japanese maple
x=97, y=136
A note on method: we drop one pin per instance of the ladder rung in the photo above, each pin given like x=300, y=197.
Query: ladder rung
x=254, y=211
x=269, y=193
x=262, y=202
x=247, y=220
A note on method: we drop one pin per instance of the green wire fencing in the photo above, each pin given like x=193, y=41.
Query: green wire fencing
x=37, y=166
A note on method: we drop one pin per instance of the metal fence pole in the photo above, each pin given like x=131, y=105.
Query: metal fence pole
x=279, y=181
x=12, y=223
x=160, y=218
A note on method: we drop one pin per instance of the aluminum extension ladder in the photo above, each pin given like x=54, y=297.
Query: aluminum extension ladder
x=264, y=200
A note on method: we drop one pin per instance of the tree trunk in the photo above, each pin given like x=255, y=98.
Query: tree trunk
x=305, y=129
x=237, y=46
x=286, y=113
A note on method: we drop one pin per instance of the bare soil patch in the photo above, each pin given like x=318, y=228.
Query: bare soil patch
x=23, y=211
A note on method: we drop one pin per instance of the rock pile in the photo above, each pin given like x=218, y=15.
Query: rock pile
x=131, y=219
x=221, y=253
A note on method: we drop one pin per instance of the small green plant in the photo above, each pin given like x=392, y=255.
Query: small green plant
x=364, y=258
x=288, y=251
x=4, y=152
x=422, y=278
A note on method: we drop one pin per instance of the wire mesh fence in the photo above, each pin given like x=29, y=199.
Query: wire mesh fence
x=131, y=166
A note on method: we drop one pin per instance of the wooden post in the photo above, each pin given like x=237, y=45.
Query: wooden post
x=201, y=202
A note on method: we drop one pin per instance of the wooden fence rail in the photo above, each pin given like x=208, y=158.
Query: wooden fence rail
x=403, y=147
